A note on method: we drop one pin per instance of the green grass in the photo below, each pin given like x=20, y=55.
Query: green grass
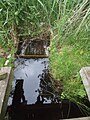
x=70, y=49
x=24, y=18
x=29, y=14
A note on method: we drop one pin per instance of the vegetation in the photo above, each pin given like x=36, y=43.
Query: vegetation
x=24, y=18
x=70, y=48
x=70, y=42
x=69, y=24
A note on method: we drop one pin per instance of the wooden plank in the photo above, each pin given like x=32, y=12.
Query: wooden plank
x=82, y=118
x=85, y=75
x=31, y=56
x=4, y=90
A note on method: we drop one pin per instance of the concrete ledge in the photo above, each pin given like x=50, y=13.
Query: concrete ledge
x=82, y=118
x=4, y=90
x=85, y=75
x=31, y=56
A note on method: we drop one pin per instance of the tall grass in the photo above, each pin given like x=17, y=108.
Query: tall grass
x=70, y=47
x=28, y=14
x=24, y=18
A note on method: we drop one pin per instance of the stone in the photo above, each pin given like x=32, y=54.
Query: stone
x=5, y=78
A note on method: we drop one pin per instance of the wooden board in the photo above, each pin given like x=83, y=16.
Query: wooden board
x=85, y=75
x=4, y=90
x=82, y=118
x=31, y=56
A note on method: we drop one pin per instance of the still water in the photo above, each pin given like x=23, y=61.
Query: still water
x=33, y=96
x=30, y=70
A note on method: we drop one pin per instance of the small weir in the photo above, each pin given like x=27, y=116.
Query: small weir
x=33, y=95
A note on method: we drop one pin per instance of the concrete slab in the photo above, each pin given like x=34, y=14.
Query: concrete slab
x=82, y=118
x=85, y=75
x=4, y=90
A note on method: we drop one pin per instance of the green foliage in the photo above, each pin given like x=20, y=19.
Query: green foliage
x=2, y=61
x=70, y=48
x=26, y=13
x=24, y=18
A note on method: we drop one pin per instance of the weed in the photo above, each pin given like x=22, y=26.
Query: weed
x=70, y=47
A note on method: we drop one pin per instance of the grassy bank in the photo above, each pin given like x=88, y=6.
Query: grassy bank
x=24, y=18
x=70, y=49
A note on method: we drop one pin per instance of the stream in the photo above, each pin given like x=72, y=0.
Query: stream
x=30, y=72
x=33, y=96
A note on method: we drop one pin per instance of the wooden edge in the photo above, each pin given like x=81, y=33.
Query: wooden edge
x=81, y=118
x=85, y=80
x=31, y=56
x=4, y=106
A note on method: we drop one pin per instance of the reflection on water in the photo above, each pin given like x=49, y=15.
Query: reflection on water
x=33, y=95
x=18, y=96
x=36, y=80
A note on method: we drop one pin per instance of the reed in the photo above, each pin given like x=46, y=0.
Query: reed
x=70, y=47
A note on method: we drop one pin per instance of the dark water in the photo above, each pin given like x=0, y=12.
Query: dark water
x=31, y=72
x=34, y=47
x=33, y=96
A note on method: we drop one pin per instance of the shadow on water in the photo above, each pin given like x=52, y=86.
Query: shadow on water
x=33, y=95
x=18, y=93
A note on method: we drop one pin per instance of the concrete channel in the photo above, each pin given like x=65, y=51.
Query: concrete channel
x=32, y=96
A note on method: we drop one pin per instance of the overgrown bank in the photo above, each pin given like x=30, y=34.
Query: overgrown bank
x=70, y=50
x=24, y=18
